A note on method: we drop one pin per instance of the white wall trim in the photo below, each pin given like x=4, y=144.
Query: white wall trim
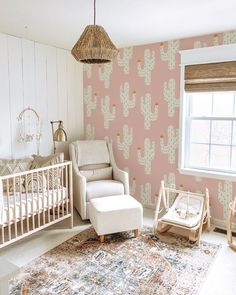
x=203, y=55
x=210, y=54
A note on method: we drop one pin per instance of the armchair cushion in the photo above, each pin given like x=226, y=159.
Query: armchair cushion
x=91, y=152
x=103, y=188
x=97, y=174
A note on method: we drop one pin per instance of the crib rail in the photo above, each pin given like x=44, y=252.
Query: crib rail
x=33, y=200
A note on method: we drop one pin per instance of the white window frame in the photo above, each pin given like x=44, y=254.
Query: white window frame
x=204, y=55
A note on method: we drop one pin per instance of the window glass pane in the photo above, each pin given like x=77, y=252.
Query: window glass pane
x=200, y=131
x=234, y=134
x=220, y=157
x=221, y=132
x=199, y=155
x=233, y=163
x=201, y=104
x=223, y=104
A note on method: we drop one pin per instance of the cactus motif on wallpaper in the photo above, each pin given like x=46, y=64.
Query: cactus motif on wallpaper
x=229, y=37
x=215, y=39
x=170, y=54
x=90, y=132
x=170, y=181
x=104, y=73
x=132, y=187
x=127, y=102
x=109, y=113
x=146, y=110
x=148, y=155
x=199, y=44
x=171, y=146
x=170, y=97
x=148, y=66
x=125, y=59
x=90, y=102
x=127, y=141
x=225, y=192
x=146, y=193
x=87, y=68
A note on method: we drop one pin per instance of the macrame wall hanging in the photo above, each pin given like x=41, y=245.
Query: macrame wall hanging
x=30, y=127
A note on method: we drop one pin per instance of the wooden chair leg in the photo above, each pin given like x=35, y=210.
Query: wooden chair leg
x=102, y=238
x=135, y=233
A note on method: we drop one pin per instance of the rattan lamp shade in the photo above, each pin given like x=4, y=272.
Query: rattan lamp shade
x=94, y=46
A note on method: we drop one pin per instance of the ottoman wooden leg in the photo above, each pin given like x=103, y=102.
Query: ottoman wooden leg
x=135, y=233
x=102, y=238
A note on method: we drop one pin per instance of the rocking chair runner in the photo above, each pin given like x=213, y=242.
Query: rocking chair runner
x=188, y=211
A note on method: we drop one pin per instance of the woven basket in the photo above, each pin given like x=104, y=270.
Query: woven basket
x=94, y=46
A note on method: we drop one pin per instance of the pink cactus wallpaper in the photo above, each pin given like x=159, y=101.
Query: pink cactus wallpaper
x=134, y=102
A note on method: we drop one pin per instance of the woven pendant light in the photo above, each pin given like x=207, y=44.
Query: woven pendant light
x=94, y=45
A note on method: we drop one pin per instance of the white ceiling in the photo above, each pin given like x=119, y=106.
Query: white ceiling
x=128, y=22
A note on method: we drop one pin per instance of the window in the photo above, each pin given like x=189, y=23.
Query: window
x=208, y=112
x=210, y=135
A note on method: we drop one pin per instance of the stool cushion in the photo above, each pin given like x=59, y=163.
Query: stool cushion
x=115, y=214
x=103, y=188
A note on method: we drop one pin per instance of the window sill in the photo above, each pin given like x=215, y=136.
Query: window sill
x=207, y=174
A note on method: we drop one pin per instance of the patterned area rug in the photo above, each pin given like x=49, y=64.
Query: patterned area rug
x=164, y=265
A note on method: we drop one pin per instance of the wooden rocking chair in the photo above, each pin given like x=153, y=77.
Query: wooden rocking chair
x=189, y=211
x=231, y=214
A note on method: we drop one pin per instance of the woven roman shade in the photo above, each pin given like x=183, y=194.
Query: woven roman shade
x=210, y=77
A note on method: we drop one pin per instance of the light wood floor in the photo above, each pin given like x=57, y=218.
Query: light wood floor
x=220, y=280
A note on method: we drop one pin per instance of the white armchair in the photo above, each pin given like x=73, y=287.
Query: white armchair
x=95, y=173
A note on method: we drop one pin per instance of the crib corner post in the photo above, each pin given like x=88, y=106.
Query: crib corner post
x=71, y=194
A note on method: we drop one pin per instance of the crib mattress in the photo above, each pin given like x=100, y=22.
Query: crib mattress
x=41, y=201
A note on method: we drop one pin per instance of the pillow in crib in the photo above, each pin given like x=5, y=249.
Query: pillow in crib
x=35, y=183
x=55, y=175
x=11, y=166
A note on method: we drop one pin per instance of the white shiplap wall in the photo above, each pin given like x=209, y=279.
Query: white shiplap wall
x=45, y=78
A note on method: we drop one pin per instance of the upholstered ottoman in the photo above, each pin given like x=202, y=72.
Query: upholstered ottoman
x=115, y=214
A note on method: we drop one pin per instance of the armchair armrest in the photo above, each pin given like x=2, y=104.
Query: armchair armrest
x=119, y=174
x=79, y=186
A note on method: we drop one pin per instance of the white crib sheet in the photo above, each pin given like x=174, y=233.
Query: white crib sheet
x=51, y=200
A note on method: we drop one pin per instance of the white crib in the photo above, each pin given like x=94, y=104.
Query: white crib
x=33, y=200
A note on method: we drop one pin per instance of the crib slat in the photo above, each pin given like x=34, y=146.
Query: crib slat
x=14, y=196
x=21, y=211
x=8, y=211
x=27, y=204
x=38, y=207
x=49, y=218
x=67, y=190
x=71, y=195
x=53, y=195
x=43, y=203
x=58, y=208
x=62, y=187
x=32, y=201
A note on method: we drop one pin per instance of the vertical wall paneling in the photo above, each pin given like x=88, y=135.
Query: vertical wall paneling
x=41, y=94
x=45, y=78
x=29, y=91
x=62, y=90
x=52, y=87
x=72, y=112
x=16, y=91
x=79, y=101
x=5, y=126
